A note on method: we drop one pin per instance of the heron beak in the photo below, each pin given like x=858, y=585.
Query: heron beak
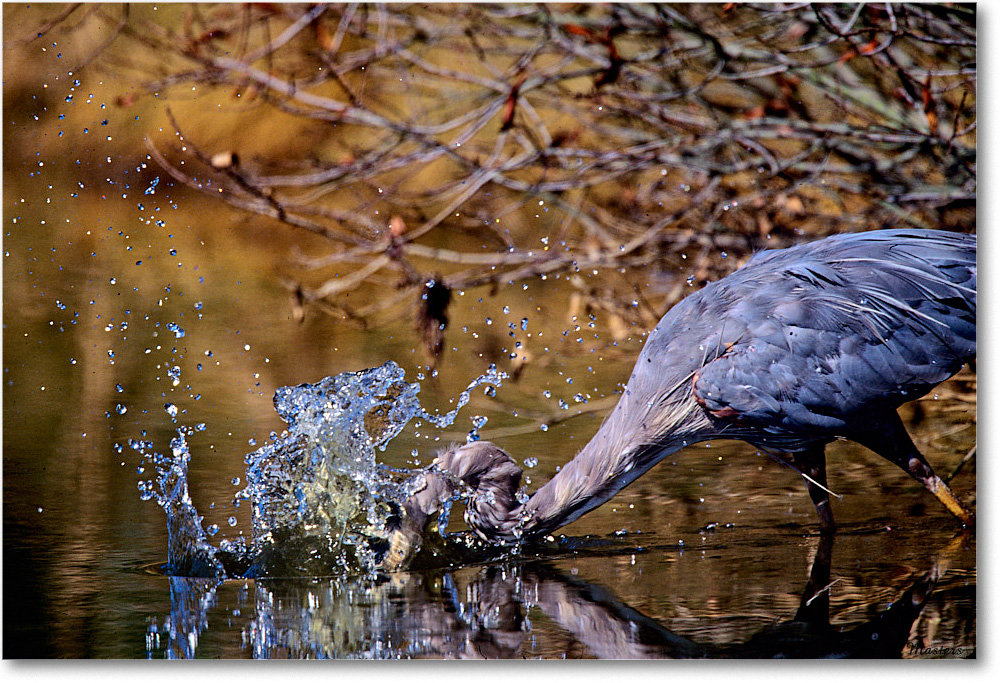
x=406, y=539
x=404, y=544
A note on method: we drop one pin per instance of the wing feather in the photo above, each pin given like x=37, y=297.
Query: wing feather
x=839, y=327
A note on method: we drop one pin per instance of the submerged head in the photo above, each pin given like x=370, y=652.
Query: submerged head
x=481, y=474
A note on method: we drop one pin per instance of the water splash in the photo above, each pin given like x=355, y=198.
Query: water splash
x=188, y=551
x=321, y=504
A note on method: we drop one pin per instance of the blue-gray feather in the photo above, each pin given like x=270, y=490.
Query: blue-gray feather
x=824, y=332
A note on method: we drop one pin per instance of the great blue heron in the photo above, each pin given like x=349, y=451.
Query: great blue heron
x=799, y=347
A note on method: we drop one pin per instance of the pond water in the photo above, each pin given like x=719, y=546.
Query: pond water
x=714, y=553
x=136, y=313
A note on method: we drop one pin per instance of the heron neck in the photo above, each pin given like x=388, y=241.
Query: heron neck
x=587, y=481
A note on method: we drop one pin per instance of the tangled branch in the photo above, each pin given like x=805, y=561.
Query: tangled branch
x=466, y=145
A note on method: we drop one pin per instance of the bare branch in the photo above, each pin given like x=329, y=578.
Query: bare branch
x=491, y=144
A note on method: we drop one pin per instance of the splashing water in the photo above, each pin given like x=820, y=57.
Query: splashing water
x=320, y=502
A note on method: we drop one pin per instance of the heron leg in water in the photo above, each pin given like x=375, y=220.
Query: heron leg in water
x=814, y=608
x=893, y=443
x=812, y=464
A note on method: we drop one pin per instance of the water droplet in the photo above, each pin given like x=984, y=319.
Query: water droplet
x=146, y=491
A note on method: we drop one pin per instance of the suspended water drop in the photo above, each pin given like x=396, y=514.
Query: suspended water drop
x=146, y=490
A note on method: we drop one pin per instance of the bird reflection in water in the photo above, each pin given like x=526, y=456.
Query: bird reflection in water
x=438, y=615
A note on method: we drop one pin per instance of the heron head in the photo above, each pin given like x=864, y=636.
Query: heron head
x=484, y=474
x=493, y=479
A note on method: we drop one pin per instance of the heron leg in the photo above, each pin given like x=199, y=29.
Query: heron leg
x=814, y=608
x=894, y=444
x=812, y=464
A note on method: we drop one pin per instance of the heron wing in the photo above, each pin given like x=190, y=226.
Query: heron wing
x=839, y=328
